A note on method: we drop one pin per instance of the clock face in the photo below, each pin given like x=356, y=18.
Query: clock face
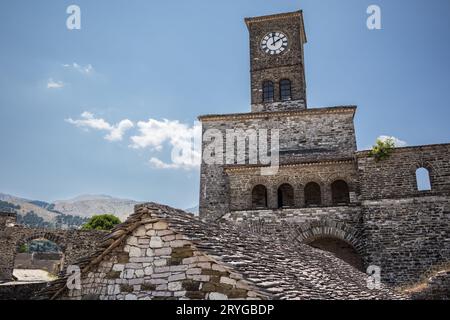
x=274, y=43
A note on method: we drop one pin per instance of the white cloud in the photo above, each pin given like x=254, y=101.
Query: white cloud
x=183, y=139
x=397, y=142
x=51, y=84
x=115, y=132
x=87, y=70
x=158, y=164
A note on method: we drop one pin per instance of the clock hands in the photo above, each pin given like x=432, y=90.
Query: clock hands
x=273, y=39
x=276, y=41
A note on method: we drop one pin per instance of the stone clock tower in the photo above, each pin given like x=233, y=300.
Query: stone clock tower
x=276, y=62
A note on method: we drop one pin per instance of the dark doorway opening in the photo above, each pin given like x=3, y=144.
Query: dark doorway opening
x=340, y=249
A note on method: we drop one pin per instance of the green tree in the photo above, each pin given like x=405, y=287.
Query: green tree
x=382, y=149
x=101, y=222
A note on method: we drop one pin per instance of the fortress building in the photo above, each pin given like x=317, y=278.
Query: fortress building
x=331, y=196
x=303, y=231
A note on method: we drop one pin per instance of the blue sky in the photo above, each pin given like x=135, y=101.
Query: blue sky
x=141, y=60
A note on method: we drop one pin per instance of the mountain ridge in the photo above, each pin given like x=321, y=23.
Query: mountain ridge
x=69, y=213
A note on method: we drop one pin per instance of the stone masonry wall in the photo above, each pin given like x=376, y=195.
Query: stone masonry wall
x=407, y=232
x=156, y=263
x=407, y=237
x=349, y=215
x=395, y=177
x=292, y=73
x=315, y=134
x=243, y=181
x=22, y=291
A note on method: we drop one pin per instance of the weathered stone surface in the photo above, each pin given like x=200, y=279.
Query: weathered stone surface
x=126, y=288
x=175, y=286
x=160, y=225
x=135, y=252
x=229, y=281
x=217, y=296
x=156, y=242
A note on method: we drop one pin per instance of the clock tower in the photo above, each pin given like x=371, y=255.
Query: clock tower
x=276, y=62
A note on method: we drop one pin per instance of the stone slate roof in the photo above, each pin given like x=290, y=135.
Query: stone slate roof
x=279, y=268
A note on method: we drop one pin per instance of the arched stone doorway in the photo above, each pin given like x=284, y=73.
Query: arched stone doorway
x=336, y=237
x=259, y=197
x=341, y=249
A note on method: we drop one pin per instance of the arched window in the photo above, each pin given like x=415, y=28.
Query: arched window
x=423, y=179
x=340, y=192
x=285, y=90
x=285, y=196
x=268, y=91
x=259, y=197
x=313, y=196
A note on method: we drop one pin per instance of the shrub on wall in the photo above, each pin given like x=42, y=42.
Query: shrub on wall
x=382, y=149
x=24, y=248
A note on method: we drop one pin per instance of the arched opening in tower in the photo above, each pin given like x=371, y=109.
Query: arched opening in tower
x=313, y=196
x=285, y=196
x=340, y=249
x=340, y=192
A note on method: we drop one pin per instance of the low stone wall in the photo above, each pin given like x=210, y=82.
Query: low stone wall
x=50, y=262
x=347, y=214
x=437, y=288
x=19, y=291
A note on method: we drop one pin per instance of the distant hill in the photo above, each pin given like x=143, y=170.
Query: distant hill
x=71, y=213
x=89, y=205
x=26, y=206
x=65, y=214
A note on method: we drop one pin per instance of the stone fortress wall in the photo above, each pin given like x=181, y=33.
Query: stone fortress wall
x=406, y=231
x=387, y=220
